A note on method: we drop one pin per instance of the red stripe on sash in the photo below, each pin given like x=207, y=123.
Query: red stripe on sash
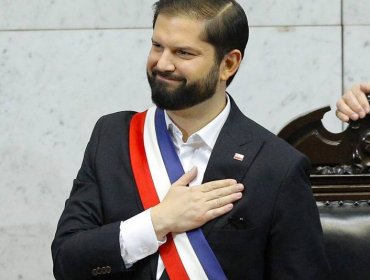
x=148, y=194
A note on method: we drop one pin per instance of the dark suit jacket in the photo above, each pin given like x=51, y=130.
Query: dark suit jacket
x=273, y=232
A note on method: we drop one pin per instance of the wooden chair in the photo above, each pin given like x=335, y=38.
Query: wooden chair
x=340, y=179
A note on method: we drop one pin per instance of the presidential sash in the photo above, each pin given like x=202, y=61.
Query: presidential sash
x=156, y=167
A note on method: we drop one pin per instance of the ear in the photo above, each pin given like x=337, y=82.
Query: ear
x=230, y=64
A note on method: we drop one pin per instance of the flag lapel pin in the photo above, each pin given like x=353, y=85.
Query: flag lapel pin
x=239, y=157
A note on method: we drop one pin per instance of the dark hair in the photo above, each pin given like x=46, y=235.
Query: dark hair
x=226, y=25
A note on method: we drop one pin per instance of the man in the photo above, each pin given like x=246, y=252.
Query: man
x=354, y=104
x=244, y=208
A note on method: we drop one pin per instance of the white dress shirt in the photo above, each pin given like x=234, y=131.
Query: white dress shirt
x=137, y=237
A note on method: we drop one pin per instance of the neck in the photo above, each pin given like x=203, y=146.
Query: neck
x=193, y=119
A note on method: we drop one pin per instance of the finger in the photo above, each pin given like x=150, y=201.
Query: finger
x=217, y=212
x=351, y=99
x=222, y=192
x=341, y=116
x=185, y=179
x=347, y=110
x=360, y=94
x=214, y=185
x=365, y=87
x=222, y=201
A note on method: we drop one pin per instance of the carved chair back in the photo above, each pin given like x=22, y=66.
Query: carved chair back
x=340, y=179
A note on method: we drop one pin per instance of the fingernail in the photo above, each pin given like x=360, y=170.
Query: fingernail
x=193, y=168
x=240, y=187
x=354, y=117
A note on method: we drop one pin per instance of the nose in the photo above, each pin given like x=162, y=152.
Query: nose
x=165, y=62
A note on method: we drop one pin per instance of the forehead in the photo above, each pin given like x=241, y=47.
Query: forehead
x=179, y=30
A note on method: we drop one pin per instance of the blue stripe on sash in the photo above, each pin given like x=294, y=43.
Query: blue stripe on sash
x=175, y=170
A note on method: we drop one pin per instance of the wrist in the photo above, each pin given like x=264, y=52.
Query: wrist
x=160, y=226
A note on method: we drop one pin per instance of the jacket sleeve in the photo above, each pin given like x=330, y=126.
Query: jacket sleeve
x=296, y=240
x=84, y=247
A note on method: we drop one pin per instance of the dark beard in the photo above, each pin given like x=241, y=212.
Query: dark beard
x=185, y=95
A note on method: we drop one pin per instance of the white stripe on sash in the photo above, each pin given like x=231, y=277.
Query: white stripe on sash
x=162, y=184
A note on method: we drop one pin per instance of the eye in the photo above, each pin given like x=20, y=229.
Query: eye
x=184, y=53
x=156, y=46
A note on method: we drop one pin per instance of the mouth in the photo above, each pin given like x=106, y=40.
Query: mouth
x=167, y=79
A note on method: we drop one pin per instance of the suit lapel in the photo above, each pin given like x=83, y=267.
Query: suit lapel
x=236, y=137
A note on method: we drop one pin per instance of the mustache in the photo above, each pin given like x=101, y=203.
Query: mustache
x=167, y=75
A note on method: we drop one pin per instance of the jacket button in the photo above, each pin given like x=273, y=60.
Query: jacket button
x=93, y=272
x=109, y=269
x=98, y=270
x=103, y=270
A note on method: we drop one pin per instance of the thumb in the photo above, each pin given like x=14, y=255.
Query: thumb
x=185, y=179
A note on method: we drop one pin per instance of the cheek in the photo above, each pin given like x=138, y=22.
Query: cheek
x=194, y=72
x=151, y=61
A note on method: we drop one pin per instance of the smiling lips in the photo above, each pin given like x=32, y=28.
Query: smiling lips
x=167, y=77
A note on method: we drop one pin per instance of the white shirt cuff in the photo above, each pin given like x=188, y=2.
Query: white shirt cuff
x=137, y=238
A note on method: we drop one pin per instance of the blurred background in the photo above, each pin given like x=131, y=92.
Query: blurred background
x=65, y=63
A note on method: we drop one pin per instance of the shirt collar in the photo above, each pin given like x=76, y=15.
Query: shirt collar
x=209, y=133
